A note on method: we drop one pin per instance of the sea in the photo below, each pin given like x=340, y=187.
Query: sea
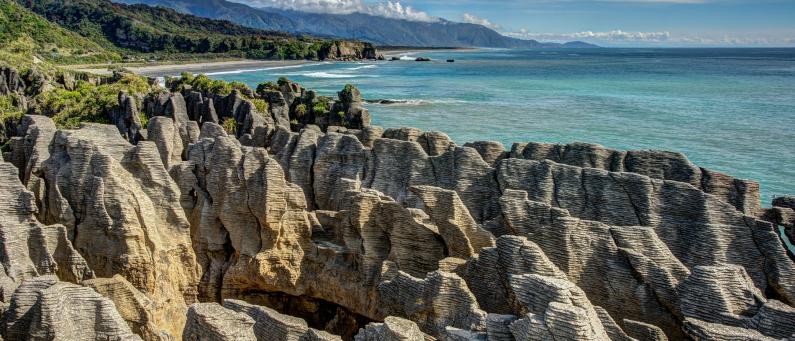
x=730, y=110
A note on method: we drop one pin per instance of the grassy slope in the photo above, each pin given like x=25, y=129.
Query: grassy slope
x=24, y=34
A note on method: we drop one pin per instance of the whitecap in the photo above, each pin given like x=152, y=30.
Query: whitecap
x=326, y=75
x=369, y=66
x=239, y=71
x=416, y=102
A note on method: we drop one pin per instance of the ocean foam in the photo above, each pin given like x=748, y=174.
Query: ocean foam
x=239, y=71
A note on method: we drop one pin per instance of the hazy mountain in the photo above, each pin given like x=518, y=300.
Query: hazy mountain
x=375, y=29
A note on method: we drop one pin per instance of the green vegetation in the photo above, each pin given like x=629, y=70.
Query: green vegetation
x=267, y=86
x=282, y=81
x=24, y=34
x=239, y=86
x=320, y=107
x=144, y=119
x=341, y=115
x=300, y=110
x=9, y=109
x=88, y=103
x=261, y=105
x=139, y=30
x=229, y=125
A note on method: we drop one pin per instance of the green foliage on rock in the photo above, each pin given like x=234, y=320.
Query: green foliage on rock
x=300, y=110
x=88, y=103
x=266, y=86
x=319, y=108
x=229, y=125
x=261, y=106
x=144, y=119
x=10, y=109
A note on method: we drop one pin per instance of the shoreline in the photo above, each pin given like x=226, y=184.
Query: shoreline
x=174, y=69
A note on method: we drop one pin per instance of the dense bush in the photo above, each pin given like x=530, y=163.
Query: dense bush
x=88, y=103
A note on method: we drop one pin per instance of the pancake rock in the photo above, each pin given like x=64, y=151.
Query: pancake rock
x=121, y=212
x=742, y=194
x=330, y=229
x=42, y=308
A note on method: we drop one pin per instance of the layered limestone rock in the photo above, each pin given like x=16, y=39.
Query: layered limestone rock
x=392, y=329
x=133, y=306
x=742, y=194
x=286, y=229
x=29, y=249
x=120, y=210
x=126, y=118
x=42, y=308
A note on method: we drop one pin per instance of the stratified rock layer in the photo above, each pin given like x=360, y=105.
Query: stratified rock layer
x=373, y=234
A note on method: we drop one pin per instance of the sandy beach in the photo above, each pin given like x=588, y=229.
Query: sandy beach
x=161, y=69
x=173, y=69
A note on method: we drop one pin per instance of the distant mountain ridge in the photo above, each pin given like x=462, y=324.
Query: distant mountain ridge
x=139, y=28
x=375, y=29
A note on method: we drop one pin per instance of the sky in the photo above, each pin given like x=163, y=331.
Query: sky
x=605, y=22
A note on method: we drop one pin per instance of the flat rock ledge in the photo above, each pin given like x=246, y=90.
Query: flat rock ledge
x=280, y=232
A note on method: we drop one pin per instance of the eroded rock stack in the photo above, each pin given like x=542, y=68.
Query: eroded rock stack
x=297, y=232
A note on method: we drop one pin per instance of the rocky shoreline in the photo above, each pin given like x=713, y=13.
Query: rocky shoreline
x=277, y=214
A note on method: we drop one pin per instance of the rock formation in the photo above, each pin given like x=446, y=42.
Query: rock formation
x=327, y=231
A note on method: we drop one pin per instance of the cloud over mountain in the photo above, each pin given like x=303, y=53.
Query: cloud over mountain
x=387, y=9
x=612, y=36
x=473, y=19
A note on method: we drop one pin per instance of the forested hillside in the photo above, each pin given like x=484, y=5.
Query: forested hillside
x=164, y=33
x=23, y=34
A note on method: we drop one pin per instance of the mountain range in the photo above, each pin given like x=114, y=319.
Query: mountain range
x=375, y=29
x=72, y=30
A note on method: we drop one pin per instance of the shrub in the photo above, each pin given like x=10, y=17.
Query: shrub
x=219, y=87
x=144, y=119
x=239, y=86
x=262, y=87
x=282, y=81
x=261, y=105
x=300, y=110
x=89, y=103
x=229, y=125
x=319, y=108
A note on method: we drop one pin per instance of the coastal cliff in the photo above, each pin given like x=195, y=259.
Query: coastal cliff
x=278, y=214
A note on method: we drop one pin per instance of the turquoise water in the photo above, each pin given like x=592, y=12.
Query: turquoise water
x=731, y=110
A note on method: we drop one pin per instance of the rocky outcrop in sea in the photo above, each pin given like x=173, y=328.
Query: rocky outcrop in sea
x=299, y=225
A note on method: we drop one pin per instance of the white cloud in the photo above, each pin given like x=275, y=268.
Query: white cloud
x=391, y=9
x=388, y=9
x=620, y=37
x=473, y=19
x=610, y=36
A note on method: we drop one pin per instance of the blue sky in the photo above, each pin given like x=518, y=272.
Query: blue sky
x=608, y=22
